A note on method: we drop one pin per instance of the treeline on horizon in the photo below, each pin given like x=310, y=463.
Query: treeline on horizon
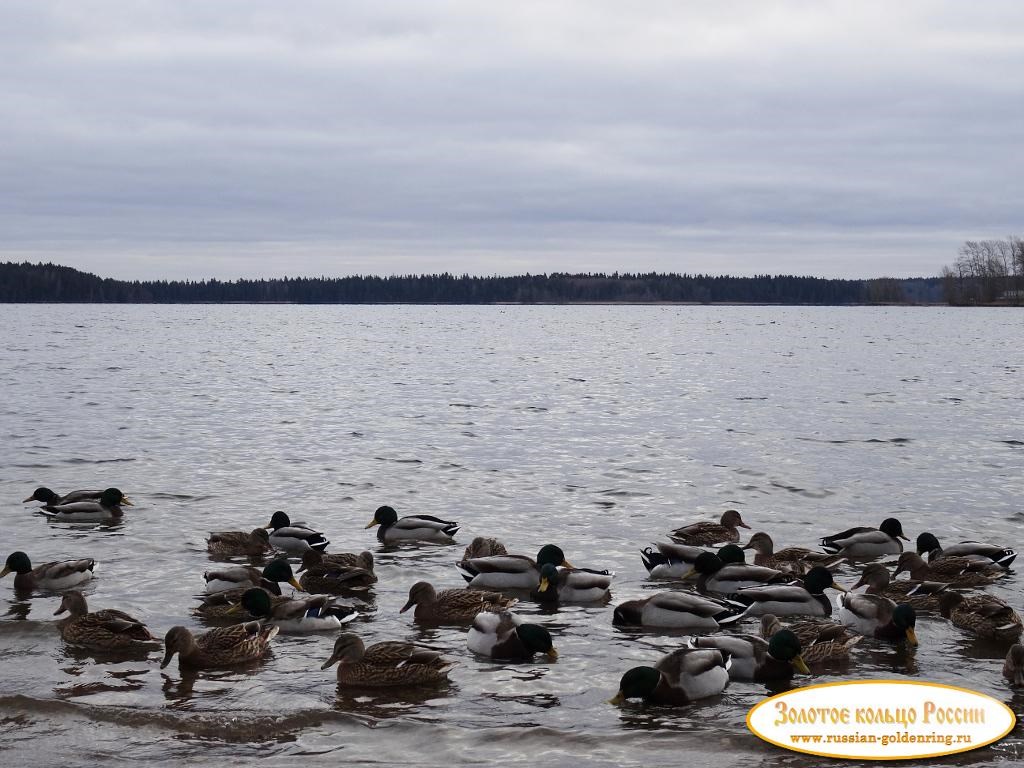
x=34, y=283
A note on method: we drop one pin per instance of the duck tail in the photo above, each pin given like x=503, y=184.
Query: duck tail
x=651, y=559
x=1005, y=558
x=728, y=618
x=465, y=571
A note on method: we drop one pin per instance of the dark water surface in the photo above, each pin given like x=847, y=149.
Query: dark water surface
x=597, y=428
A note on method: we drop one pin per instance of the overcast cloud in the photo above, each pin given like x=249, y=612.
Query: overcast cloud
x=221, y=138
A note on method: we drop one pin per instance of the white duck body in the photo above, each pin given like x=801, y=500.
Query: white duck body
x=308, y=615
x=699, y=673
x=489, y=629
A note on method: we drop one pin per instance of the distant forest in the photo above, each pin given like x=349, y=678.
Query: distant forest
x=35, y=283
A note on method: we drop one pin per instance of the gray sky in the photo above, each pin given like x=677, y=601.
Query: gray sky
x=260, y=138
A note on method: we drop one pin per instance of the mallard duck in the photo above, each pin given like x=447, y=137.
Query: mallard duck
x=394, y=529
x=575, y=585
x=244, y=577
x=713, y=575
x=984, y=615
x=50, y=498
x=803, y=599
x=108, y=507
x=822, y=641
x=707, y=533
x=386, y=664
x=879, y=617
x=503, y=636
x=484, y=546
x=55, y=576
x=313, y=557
x=867, y=542
x=217, y=606
x=323, y=576
x=679, y=610
x=295, y=538
x=957, y=571
x=218, y=647
x=452, y=606
x=103, y=630
x=317, y=613
x=798, y=559
x=1013, y=666
x=237, y=543
x=754, y=658
x=671, y=561
x=920, y=594
x=1000, y=555
x=681, y=677
x=510, y=571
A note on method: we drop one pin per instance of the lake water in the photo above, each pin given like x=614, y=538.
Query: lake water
x=595, y=427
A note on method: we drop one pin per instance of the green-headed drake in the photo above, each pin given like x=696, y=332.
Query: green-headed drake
x=395, y=530
x=681, y=677
x=55, y=576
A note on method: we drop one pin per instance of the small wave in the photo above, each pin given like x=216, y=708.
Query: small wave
x=95, y=461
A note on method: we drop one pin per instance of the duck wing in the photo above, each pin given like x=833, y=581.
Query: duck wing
x=62, y=569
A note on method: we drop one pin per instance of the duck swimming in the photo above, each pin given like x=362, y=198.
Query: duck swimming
x=452, y=606
x=386, y=664
x=708, y=533
x=55, y=576
x=510, y=571
x=107, y=508
x=218, y=647
x=504, y=636
x=575, y=585
x=879, y=617
x=103, y=630
x=677, y=610
x=797, y=558
x=803, y=599
x=920, y=594
x=297, y=615
x=998, y=554
x=956, y=571
x=867, y=542
x=238, y=543
x=822, y=641
x=325, y=574
x=715, y=575
x=985, y=615
x=754, y=658
x=681, y=677
x=294, y=538
x=244, y=577
x=394, y=529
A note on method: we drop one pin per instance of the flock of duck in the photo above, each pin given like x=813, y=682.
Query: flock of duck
x=715, y=589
